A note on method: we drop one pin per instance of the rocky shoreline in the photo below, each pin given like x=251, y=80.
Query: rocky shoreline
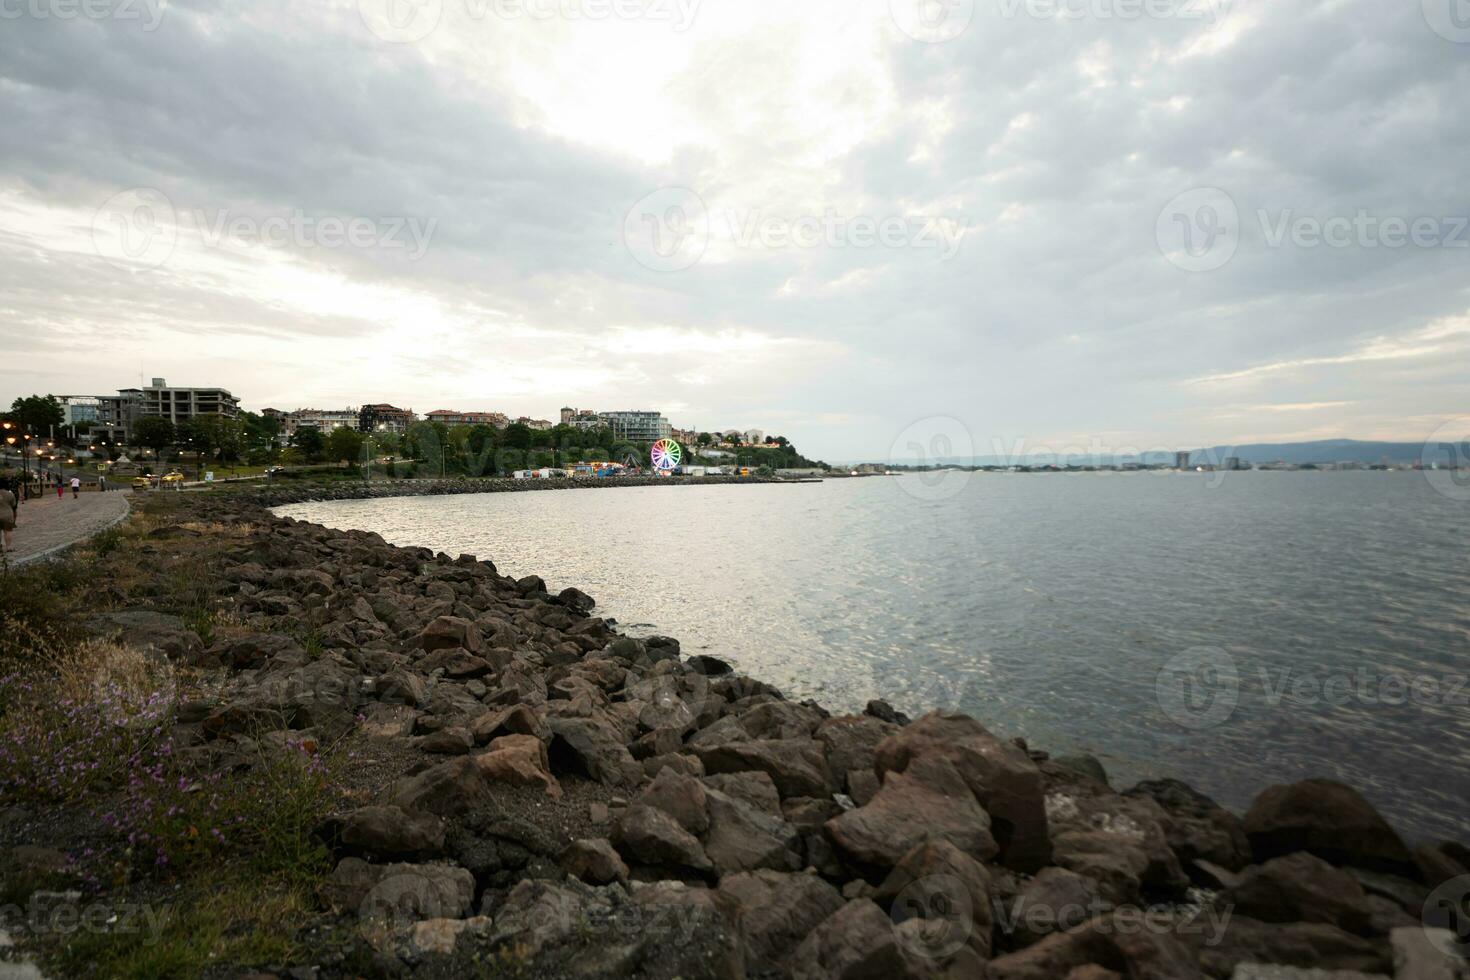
x=548, y=798
x=275, y=495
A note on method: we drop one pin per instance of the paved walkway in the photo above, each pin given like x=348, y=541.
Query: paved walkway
x=47, y=524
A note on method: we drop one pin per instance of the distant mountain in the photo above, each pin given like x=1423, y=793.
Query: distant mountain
x=1322, y=451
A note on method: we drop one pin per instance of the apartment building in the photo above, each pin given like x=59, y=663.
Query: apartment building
x=637, y=426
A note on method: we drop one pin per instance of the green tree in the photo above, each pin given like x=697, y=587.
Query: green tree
x=344, y=444
x=153, y=432
x=310, y=442
x=218, y=436
x=518, y=436
x=38, y=414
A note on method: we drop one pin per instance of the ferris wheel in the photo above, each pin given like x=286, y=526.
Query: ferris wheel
x=666, y=454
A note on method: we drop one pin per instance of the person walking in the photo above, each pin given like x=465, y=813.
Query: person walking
x=76, y=486
x=9, y=513
x=60, y=490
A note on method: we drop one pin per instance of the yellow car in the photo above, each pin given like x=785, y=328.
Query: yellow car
x=142, y=483
x=173, y=476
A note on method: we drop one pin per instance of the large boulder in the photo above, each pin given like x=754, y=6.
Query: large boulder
x=592, y=747
x=1299, y=888
x=448, y=632
x=390, y=831
x=519, y=760
x=774, y=912
x=929, y=800
x=852, y=743
x=742, y=837
x=594, y=860
x=681, y=797
x=857, y=942
x=796, y=765
x=1055, y=900
x=1310, y=945
x=1200, y=828
x=649, y=836
x=1330, y=820
x=446, y=789
x=1001, y=776
x=938, y=881
x=400, y=893
x=1122, y=940
x=1121, y=842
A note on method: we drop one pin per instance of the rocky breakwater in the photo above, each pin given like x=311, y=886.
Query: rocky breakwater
x=556, y=800
x=274, y=495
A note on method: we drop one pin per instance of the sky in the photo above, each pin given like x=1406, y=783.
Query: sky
x=868, y=225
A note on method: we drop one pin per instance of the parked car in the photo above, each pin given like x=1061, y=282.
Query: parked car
x=142, y=483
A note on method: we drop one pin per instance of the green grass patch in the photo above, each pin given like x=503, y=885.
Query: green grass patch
x=245, y=921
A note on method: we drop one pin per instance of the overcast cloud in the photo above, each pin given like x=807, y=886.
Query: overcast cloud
x=1115, y=222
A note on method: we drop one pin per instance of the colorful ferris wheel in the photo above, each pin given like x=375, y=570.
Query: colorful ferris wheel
x=666, y=454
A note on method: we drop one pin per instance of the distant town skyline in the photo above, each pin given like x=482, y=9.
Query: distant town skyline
x=1206, y=222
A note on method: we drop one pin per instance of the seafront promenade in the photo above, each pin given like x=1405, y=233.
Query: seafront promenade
x=47, y=524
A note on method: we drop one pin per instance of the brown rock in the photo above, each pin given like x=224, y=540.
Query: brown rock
x=518, y=719
x=681, y=797
x=1121, y=939
x=1001, y=776
x=1056, y=900
x=945, y=887
x=852, y=743
x=796, y=765
x=650, y=836
x=446, y=789
x=520, y=760
x=1200, y=829
x=927, y=801
x=389, y=831
x=1311, y=945
x=452, y=631
x=1299, y=888
x=774, y=912
x=594, y=861
x=857, y=942
x=1329, y=819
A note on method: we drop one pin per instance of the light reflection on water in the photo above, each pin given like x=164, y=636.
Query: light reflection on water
x=1043, y=604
